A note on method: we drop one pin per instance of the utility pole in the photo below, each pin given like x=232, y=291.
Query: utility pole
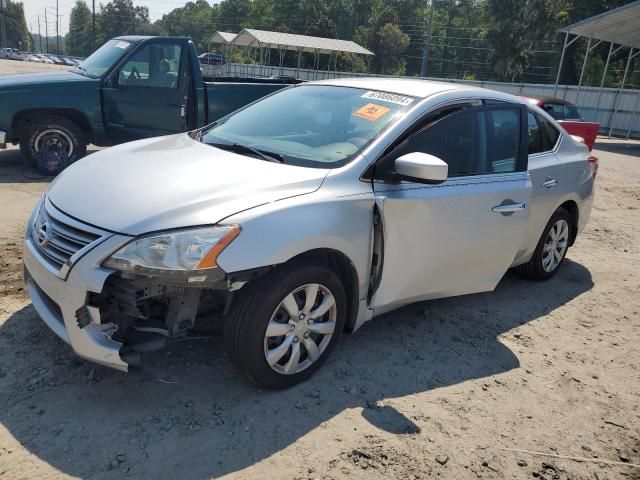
x=57, y=35
x=93, y=43
x=427, y=41
x=39, y=34
x=46, y=31
x=2, y=24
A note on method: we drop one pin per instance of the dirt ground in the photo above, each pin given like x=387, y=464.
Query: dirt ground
x=457, y=388
x=15, y=66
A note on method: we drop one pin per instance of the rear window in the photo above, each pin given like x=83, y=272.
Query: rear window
x=550, y=134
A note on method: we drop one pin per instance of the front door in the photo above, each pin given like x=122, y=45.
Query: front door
x=460, y=236
x=147, y=95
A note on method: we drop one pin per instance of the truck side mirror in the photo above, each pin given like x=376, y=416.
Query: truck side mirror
x=421, y=168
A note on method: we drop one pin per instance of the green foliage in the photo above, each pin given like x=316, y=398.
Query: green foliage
x=79, y=40
x=323, y=27
x=386, y=40
x=17, y=33
x=480, y=39
x=193, y=20
x=121, y=17
x=231, y=14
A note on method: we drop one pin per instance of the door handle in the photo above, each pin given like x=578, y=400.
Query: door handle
x=509, y=208
x=550, y=182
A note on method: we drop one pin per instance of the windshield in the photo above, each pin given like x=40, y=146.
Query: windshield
x=102, y=59
x=311, y=125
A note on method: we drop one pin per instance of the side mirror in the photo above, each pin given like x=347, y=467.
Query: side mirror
x=421, y=167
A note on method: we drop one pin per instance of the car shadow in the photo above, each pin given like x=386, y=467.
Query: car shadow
x=622, y=147
x=14, y=170
x=187, y=410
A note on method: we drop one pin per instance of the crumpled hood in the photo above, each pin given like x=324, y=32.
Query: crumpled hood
x=26, y=81
x=172, y=182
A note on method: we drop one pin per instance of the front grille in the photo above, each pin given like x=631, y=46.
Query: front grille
x=58, y=240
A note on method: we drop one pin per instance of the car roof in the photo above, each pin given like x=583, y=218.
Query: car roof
x=414, y=87
x=557, y=101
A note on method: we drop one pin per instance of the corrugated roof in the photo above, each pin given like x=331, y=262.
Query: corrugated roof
x=290, y=41
x=620, y=25
x=223, y=38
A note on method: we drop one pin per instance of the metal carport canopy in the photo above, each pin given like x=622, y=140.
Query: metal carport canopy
x=300, y=43
x=620, y=25
x=223, y=38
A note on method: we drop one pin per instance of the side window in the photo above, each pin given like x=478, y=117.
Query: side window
x=550, y=134
x=535, y=134
x=155, y=65
x=503, y=139
x=473, y=141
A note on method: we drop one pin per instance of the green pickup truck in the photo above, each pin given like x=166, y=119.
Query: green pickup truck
x=130, y=88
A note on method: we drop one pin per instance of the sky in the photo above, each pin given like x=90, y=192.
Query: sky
x=32, y=8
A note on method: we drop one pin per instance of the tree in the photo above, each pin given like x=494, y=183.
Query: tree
x=121, y=17
x=193, y=20
x=79, y=40
x=231, y=14
x=260, y=16
x=386, y=40
x=323, y=27
x=391, y=44
x=16, y=26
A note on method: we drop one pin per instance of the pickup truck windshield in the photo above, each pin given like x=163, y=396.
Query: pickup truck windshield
x=102, y=59
x=311, y=125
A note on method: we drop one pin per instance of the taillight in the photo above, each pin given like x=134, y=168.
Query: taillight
x=593, y=164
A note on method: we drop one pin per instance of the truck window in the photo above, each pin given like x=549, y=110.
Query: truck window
x=103, y=59
x=154, y=65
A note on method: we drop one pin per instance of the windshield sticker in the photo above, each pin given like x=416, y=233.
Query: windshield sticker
x=371, y=112
x=122, y=45
x=389, y=97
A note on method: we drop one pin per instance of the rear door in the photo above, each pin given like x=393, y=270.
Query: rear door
x=545, y=171
x=147, y=95
x=462, y=235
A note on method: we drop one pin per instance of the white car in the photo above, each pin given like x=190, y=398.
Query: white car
x=44, y=59
x=303, y=215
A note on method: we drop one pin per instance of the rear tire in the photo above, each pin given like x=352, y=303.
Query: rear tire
x=259, y=326
x=551, y=249
x=52, y=128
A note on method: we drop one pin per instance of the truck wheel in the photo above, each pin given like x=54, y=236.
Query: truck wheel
x=551, y=249
x=283, y=325
x=52, y=132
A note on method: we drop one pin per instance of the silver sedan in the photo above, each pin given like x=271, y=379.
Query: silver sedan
x=302, y=216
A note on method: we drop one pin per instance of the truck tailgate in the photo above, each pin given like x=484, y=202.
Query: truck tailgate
x=587, y=130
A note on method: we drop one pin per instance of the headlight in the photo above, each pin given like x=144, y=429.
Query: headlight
x=177, y=251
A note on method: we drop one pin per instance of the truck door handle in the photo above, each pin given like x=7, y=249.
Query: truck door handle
x=509, y=208
x=550, y=182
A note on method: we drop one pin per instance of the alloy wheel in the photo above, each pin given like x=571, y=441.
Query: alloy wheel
x=300, y=329
x=555, y=245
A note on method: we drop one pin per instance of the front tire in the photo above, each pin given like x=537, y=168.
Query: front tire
x=52, y=131
x=551, y=249
x=283, y=326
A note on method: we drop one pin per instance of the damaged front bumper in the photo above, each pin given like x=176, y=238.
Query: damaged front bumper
x=59, y=302
x=79, y=303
